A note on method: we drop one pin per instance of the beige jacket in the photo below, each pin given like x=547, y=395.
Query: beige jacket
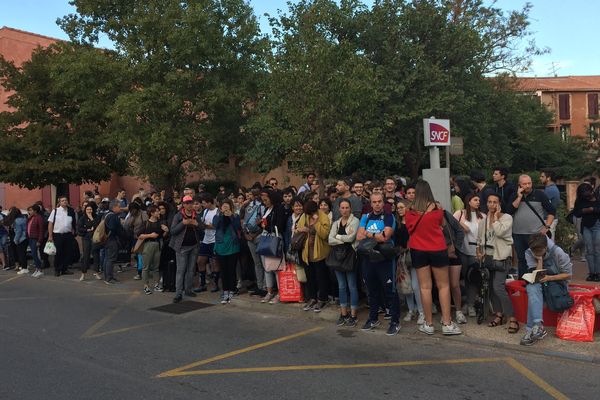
x=499, y=236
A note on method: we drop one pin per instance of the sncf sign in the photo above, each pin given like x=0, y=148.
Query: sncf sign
x=437, y=132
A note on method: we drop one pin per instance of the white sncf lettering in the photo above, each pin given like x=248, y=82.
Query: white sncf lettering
x=438, y=136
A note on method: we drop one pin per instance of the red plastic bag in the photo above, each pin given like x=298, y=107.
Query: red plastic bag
x=290, y=290
x=577, y=323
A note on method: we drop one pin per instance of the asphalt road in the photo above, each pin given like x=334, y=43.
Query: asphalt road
x=64, y=339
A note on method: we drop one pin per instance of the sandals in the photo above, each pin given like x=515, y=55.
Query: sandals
x=513, y=325
x=499, y=319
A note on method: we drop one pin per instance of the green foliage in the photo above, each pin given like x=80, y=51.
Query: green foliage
x=58, y=131
x=565, y=232
x=193, y=66
x=320, y=97
x=349, y=87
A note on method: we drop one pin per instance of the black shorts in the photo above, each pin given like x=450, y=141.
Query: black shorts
x=206, y=250
x=433, y=259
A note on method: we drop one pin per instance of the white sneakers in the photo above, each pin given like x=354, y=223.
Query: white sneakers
x=447, y=330
x=471, y=311
x=421, y=319
x=37, y=274
x=409, y=316
x=460, y=317
x=451, y=329
x=23, y=271
x=428, y=329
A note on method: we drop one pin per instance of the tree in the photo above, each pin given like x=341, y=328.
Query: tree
x=349, y=86
x=320, y=97
x=432, y=57
x=194, y=67
x=58, y=131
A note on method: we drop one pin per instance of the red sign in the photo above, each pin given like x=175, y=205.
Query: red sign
x=436, y=132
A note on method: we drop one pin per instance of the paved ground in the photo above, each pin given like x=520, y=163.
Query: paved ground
x=61, y=338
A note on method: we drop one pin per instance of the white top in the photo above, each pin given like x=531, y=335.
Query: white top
x=470, y=243
x=207, y=217
x=63, y=223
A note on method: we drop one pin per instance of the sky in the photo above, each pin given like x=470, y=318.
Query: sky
x=567, y=27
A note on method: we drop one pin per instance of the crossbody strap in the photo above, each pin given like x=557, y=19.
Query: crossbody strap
x=417, y=224
x=534, y=211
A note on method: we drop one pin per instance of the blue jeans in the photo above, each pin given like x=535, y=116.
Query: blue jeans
x=521, y=243
x=535, y=305
x=34, y=253
x=416, y=289
x=591, y=238
x=347, y=281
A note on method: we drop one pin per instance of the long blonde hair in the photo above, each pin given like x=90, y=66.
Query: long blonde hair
x=423, y=196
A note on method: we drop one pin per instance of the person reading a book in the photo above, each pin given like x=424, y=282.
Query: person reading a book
x=494, y=249
x=543, y=253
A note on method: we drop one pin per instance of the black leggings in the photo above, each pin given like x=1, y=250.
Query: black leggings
x=228, y=265
x=317, y=277
x=21, y=253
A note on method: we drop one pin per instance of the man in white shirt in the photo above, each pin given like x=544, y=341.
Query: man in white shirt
x=61, y=228
x=307, y=187
x=207, y=246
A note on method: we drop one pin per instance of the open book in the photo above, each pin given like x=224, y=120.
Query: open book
x=535, y=275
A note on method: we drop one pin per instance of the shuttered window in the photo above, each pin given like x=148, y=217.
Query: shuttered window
x=564, y=106
x=592, y=105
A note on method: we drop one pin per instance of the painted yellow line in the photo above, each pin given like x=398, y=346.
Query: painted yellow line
x=10, y=279
x=286, y=368
x=177, y=371
x=92, y=330
x=129, y=328
x=545, y=386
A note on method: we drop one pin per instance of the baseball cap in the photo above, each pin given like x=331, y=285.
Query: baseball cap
x=106, y=200
x=187, y=199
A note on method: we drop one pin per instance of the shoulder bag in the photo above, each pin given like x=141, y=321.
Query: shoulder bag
x=270, y=245
x=298, y=240
x=556, y=293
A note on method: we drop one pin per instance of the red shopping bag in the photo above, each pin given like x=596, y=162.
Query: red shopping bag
x=290, y=289
x=577, y=323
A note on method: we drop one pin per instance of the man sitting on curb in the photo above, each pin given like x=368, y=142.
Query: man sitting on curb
x=542, y=253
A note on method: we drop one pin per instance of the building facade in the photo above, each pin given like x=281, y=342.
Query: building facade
x=573, y=100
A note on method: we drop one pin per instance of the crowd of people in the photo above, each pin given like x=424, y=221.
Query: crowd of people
x=358, y=241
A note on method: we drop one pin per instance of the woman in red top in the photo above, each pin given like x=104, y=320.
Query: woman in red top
x=429, y=253
x=35, y=233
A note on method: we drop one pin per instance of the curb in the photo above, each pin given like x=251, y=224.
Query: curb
x=330, y=317
x=530, y=350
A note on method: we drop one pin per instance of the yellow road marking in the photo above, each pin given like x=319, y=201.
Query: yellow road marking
x=285, y=368
x=92, y=330
x=10, y=279
x=129, y=328
x=178, y=371
x=545, y=386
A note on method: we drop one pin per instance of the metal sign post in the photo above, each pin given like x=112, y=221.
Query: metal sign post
x=437, y=133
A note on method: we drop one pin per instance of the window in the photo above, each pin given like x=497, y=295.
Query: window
x=594, y=132
x=592, y=100
x=565, y=132
x=564, y=106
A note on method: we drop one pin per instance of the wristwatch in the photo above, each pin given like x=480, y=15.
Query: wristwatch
x=547, y=226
